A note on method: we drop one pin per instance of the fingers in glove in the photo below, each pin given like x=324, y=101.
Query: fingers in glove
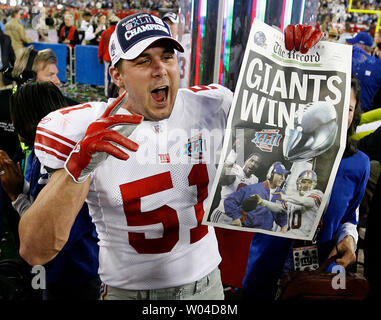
x=109, y=148
x=298, y=36
x=120, y=119
x=289, y=37
x=314, y=38
x=115, y=105
x=119, y=139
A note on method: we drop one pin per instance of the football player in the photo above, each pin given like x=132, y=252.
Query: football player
x=233, y=177
x=148, y=217
x=259, y=217
x=302, y=207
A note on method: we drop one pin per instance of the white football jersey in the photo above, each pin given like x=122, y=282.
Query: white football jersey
x=184, y=60
x=218, y=215
x=301, y=219
x=148, y=210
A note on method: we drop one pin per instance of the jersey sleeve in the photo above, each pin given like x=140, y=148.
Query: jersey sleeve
x=59, y=132
x=212, y=99
x=317, y=195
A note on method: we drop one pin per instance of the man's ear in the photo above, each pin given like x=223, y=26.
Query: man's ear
x=116, y=77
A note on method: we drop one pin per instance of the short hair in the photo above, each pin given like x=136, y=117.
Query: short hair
x=68, y=15
x=14, y=12
x=42, y=59
x=351, y=145
x=30, y=103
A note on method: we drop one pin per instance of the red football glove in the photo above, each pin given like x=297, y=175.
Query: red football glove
x=97, y=143
x=301, y=38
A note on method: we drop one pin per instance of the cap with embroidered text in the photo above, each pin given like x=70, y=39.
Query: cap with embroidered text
x=137, y=32
x=172, y=16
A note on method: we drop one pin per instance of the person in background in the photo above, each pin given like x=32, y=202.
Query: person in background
x=362, y=40
x=68, y=33
x=85, y=24
x=16, y=31
x=7, y=59
x=39, y=65
x=366, y=67
x=345, y=34
x=71, y=274
x=103, y=54
x=100, y=28
x=333, y=34
x=172, y=19
x=270, y=257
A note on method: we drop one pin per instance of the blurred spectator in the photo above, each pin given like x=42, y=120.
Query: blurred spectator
x=41, y=67
x=363, y=40
x=41, y=27
x=85, y=25
x=346, y=34
x=68, y=33
x=377, y=38
x=7, y=58
x=103, y=53
x=172, y=19
x=333, y=34
x=99, y=29
x=16, y=31
x=366, y=68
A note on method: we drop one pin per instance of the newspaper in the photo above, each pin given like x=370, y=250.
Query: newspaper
x=285, y=137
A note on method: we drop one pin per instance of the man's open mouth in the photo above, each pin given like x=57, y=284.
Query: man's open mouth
x=160, y=94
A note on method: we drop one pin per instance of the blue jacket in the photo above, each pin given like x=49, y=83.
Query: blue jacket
x=77, y=262
x=269, y=256
x=261, y=217
x=367, y=70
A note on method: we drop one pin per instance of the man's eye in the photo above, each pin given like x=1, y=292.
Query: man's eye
x=168, y=57
x=139, y=62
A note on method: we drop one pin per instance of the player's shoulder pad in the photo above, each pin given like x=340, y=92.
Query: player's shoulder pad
x=212, y=96
x=315, y=193
x=59, y=131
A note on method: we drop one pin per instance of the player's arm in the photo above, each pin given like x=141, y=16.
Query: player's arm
x=45, y=227
x=273, y=206
x=307, y=202
x=233, y=203
x=227, y=176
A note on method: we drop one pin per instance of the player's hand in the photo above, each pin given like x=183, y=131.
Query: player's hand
x=99, y=141
x=251, y=203
x=237, y=222
x=347, y=252
x=12, y=178
x=301, y=38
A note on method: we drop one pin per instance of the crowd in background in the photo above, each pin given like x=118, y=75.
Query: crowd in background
x=71, y=20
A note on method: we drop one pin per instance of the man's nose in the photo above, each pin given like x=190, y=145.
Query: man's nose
x=159, y=68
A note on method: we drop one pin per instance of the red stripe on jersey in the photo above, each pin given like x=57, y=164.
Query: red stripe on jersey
x=57, y=135
x=73, y=108
x=316, y=198
x=59, y=157
x=105, y=291
x=53, y=144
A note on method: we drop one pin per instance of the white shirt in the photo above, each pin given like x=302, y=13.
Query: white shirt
x=148, y=210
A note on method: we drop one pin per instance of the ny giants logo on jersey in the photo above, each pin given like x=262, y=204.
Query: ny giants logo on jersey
x=195, y=147
x=267, y=139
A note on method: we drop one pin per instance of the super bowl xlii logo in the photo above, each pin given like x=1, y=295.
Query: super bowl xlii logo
x=267, y=139
x=195, y=147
